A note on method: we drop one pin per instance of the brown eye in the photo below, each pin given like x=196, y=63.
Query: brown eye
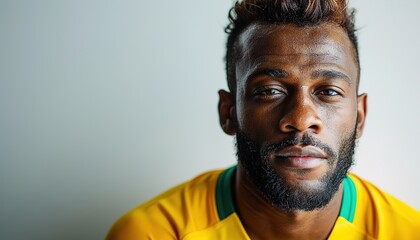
x=329, y=92
x=269, y=91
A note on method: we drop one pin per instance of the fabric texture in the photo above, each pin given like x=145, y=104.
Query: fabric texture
x=202, y=208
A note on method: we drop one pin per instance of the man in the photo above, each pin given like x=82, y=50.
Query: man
x=293, y=103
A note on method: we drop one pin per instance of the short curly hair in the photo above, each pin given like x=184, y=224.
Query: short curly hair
x=299, y=12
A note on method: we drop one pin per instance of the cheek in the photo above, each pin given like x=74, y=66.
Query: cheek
x=339, y=124
x=257, y=121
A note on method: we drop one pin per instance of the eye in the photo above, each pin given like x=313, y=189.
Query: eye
x=269, y=92
x=329, y=92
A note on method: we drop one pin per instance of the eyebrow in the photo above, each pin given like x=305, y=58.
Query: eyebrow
x=277, y=73
x=331, y=74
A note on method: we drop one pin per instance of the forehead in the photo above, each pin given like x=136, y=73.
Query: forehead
x=296, y=47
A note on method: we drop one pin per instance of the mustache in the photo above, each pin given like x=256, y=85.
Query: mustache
x=304, y=140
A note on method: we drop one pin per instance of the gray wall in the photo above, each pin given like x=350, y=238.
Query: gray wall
x=104, y=104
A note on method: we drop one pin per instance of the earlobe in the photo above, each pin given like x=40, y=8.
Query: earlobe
x=361, y=113
x=227, y=115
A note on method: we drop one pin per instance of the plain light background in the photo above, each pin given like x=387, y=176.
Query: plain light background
x=104, y=104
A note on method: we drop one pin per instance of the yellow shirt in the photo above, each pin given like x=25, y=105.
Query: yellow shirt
x=203, y=209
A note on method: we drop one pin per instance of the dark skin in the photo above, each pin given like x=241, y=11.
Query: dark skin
x=293, y=80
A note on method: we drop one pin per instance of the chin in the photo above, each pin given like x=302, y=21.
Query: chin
x=296, y=190
x=310, y=186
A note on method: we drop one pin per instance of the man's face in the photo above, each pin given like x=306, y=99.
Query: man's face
x=296, y=112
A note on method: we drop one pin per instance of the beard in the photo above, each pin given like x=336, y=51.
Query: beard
x=291, y=197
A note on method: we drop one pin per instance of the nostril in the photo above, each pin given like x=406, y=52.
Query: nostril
x=287, y=128
x=290, y=127
x=300, y=124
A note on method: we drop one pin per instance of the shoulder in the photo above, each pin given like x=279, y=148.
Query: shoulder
x=381, y=214
x=172, y=214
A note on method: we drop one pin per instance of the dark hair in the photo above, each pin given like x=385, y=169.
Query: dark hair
x=299, y=12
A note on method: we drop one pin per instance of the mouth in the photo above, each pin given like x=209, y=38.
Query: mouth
x=301, y=157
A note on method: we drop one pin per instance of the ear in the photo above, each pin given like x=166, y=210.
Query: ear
x=361, y=113
x=227, y=112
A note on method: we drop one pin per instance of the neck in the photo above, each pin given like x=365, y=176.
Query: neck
x=262, y=220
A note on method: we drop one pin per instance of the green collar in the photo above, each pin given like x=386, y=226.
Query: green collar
x=225, y=205
x=348, y=203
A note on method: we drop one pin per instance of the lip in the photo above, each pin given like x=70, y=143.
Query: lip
x=301, y=157
x=301, y=152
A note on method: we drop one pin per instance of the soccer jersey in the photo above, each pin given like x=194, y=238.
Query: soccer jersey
x=203, y=208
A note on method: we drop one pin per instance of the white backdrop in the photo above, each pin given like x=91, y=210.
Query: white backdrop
x=104, y=104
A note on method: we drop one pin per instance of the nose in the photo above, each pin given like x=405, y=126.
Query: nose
x=300, y=115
